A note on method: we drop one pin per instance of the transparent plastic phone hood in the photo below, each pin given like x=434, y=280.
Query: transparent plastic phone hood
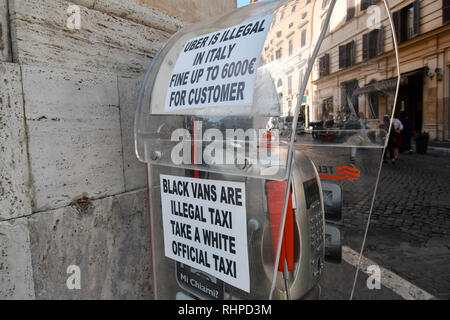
x=242, y=97
x=286, y=91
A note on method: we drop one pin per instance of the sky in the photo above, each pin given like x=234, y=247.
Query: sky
x=241, y=3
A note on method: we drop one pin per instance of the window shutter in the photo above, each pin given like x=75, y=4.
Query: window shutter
x=365, y=47
x=396, y=16
x=324, y=65
x=367, y=3
x=321, y=66
x=445, y=11
x=327, y=64
x=364, y=4
x=381, y=36
x=352, y=53
x=351, y=10
x=416, y=18
x=342, y=57
x=351, y=13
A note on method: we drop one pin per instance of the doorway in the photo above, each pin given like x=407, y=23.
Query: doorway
x=410, y=99
x=349, y=101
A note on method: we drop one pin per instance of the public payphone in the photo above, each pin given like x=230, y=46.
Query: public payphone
x=239, y=209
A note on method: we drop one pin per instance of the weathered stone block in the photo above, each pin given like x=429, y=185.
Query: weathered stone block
x=15, y=198
x=130, y=10
x=192, y=10
x=107, y=239
x=104, y=43
x=16, y=274
x=74, y=135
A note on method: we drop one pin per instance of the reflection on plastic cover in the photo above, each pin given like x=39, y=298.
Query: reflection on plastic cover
x=286, y=98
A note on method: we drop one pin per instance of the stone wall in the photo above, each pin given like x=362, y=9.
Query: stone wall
x=72, y=191
x=192, y=10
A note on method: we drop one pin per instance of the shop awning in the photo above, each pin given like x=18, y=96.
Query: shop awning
x=387, y=86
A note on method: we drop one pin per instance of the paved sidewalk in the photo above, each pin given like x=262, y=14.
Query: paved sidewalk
x=439, y=144
x=409, y=232
x=439, y=147
x=414, y=196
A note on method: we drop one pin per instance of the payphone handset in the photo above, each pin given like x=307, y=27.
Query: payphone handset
x=252, y=135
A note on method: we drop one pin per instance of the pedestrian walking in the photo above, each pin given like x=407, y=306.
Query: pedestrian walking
x=397, y=127
x=406, y=133
x=394, y=139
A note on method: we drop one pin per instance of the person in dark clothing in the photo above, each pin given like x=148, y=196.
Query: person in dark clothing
x=391, y=138
x=407, y=132
x=394, y=137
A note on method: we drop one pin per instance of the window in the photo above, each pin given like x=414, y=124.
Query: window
x=347, y=55
x=367, y=3
x=327, y=107
x=293, y=8
x=289, y=84
x=446, y=11
x=324, y=65
x=278, y=54
x=303, y=38
x=407, y=22
x=291, y=47
x=351, y=9
x=279, y=83
x=373, y=44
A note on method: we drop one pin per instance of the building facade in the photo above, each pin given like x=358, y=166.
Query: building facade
x=347, y=67
x=356, y=64
x=288, y=47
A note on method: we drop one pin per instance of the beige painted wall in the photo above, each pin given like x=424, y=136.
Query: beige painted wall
x=191, y=10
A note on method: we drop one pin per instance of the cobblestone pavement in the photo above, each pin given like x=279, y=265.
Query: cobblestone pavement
x=409, y=232
x=414, y=197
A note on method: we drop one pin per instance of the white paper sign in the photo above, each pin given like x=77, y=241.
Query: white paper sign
x=219, y=68
x=205, y=227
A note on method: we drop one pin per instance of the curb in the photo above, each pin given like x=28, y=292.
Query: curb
x=440, y=150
